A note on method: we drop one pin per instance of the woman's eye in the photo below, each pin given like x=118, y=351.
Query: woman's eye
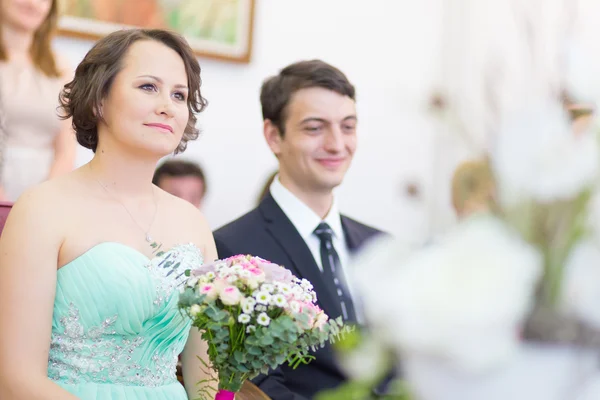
x=179, y=96
x=148, y=87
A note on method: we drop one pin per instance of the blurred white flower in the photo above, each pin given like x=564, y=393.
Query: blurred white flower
x=192, y=282
x=365, y=363
x=581, y=283
x=263, y=319
x=263, y=297
x=279, y=300
x=267, y=287
x=195, y=310
x=243, y=318
x=537, y=156
x=583, y=53
x=593, y=220
x=461, y=299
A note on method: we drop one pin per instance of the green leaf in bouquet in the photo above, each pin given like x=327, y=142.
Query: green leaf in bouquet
x=223, y=347
x=267, y=340
x=188, y=272
x=254, y=350
x=257, y=364
x=291, y=337
x=189, y=297
x=222, y=333
x=252, y=341
x=280, y=358
x=215, y=313
x=288, y=324
x=239, y=356
x=243, y=368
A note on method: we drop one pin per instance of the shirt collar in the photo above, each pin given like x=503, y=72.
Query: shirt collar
x=302, y=217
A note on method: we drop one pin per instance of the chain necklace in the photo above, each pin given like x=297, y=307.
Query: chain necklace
x=146, y=232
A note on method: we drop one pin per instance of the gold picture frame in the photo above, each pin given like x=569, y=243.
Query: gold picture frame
x=216, y=29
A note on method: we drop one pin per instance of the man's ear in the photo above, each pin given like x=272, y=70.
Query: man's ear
x=272, y=136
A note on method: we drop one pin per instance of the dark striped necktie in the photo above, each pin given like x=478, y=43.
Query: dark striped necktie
x=332, y=271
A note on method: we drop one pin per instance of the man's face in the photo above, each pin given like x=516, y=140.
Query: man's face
x=319, y=140
x=189, y=188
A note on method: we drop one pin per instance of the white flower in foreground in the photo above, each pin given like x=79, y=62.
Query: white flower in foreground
x=192, y=282
x=593, y=220
x=267, y=287
x=263, y=297
x=537, y=156
x=306, y=285
x=195, y=310
x=581, y=283
x=279, y=300
x=583, y=53
x=263, y=319
x=461, y=299
x=243, y=318
x=364, y=363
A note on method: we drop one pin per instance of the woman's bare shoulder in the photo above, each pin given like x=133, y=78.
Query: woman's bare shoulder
x=57, y=194
x=187, y=220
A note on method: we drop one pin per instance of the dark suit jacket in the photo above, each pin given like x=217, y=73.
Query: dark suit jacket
x=268, y=233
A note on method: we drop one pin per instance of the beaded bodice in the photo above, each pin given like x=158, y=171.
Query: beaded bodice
x=116, y=319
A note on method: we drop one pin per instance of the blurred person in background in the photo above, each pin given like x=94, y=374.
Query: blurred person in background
x=472, y=188
x=37, y=144
x=184, y=179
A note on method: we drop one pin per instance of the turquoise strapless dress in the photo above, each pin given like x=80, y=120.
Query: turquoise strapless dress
x=116, y=328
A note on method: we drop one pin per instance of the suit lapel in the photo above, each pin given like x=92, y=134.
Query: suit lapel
x=304, y=266
x=353, y=237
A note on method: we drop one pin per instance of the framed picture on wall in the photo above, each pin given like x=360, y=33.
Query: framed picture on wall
x=219, y=29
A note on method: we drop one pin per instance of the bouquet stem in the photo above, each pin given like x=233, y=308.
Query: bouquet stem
x=230, y=382
x=224, y=395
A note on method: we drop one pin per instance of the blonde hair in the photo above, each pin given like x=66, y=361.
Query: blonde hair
x=472, y=184
x=41, y=48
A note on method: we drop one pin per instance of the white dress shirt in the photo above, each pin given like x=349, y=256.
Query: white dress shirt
x=306, y=221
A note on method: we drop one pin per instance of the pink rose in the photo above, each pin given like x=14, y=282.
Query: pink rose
x=230, y=295
x=277, y=273
x=256, y=274
x=209, y=290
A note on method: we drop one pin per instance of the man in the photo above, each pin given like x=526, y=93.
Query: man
x=310, y=125
x=183, y=179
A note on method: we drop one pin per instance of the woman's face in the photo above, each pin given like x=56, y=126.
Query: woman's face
x=25, y=15
x=146, y=109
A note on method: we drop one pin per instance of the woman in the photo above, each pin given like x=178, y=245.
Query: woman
x=100, y=318
x=38, y=145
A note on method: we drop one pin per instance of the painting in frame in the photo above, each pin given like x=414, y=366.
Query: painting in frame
x=218, y=29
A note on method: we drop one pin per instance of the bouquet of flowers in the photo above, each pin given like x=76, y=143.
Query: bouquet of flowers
x=254, y=315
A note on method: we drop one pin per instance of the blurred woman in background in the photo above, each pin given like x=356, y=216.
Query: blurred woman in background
x=37, y=144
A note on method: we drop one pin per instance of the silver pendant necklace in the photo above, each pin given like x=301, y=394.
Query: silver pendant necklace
x=145, y=231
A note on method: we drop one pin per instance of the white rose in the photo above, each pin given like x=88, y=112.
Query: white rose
x=195, y=310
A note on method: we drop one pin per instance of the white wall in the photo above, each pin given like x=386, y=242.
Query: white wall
x=387, y=51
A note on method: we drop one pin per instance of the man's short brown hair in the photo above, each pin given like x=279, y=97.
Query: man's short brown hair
x=81, y=98
x=276, y=91
x=179, y=168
